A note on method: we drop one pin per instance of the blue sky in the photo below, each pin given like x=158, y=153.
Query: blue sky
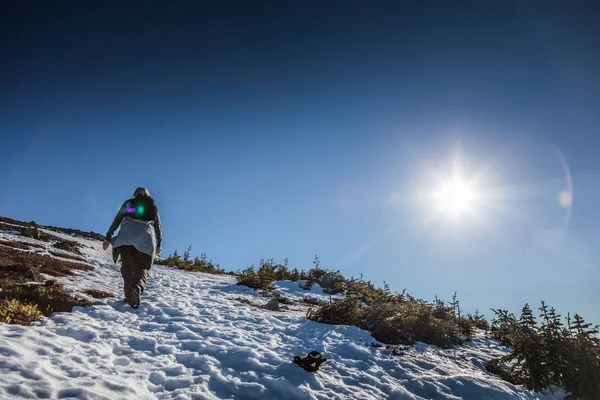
x=306, y=128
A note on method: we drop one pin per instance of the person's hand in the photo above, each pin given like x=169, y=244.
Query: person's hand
x=105, y=244
x=158, y=250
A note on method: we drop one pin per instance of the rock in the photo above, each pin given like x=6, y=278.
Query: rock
x=31, y=231
x=272, y=305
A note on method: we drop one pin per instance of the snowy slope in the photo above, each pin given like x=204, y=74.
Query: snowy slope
x=192, y=340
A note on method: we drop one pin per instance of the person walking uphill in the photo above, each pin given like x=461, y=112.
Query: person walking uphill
x=138, y=241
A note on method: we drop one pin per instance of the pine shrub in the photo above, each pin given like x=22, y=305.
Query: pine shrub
x=262, y=279
x=198, y=264
x=548, y=354
x=391, y=319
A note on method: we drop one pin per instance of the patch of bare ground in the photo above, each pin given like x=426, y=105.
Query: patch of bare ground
x=39, y=263
x=16, y=245
x=99, y=294
x=67, y=256
x=49, y=297
x=22, y=298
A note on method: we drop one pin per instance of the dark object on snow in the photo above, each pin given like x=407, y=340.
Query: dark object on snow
x=311, y=362
x=31, y=231
x=68, y=245
x=272, y=305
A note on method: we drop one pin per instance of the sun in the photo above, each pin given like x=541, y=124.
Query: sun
x=455, y=196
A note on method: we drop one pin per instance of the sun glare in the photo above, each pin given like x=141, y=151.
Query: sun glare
x=455, y=196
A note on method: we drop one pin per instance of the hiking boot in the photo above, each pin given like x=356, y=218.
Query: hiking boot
x=134, y=297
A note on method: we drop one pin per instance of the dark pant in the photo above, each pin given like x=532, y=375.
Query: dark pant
x=134, y=268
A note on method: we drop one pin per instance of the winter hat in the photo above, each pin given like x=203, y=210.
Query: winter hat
x=141, y=191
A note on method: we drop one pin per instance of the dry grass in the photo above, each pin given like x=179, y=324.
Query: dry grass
x=10, y=228
x=90, y=235
x=21, y=301
x=16, y=273
x=68, y=245
x=15, y=312
x=49, y=297
x=39, y=263
x=67, y=256
x=99, y=294
x=5, y=220
x=37, y=246
x=20, y=245
x=16, y=245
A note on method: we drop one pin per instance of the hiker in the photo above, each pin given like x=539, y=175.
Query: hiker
x=138, y=241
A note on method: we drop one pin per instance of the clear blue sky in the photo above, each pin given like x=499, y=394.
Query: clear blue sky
x=286, y=129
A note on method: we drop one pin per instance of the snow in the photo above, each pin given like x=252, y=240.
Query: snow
x=292, y=290
x=191, y=339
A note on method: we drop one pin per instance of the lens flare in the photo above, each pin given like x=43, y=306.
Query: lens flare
x=565, y=199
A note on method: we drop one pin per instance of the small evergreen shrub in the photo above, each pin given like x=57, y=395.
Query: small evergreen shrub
x=311, y=301
x=479, y=321
x=548, y=354
x=262, y=279
x=198, y=264
x=339, y=312
x=391, y=319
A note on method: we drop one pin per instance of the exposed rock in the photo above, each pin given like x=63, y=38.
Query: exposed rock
x=31, y=232
x=272, y=305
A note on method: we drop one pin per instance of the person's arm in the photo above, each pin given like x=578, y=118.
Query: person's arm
x=157, y=228
x=117, y=221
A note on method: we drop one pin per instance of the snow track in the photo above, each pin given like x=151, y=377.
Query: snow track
x=191, y=339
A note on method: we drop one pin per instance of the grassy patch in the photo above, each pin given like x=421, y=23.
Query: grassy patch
x=39, y=263
x=22, y=301
x=9, y=227
x=15, y=312
x=16, y=273
x=68, y=245
x=67, y=256
x=68, y=231
x=99, y=294
x=49, y=297
x=16, y=245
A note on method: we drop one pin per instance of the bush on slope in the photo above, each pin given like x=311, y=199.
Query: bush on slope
x=198, y=264
x=548, y=354
x=392, y=319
